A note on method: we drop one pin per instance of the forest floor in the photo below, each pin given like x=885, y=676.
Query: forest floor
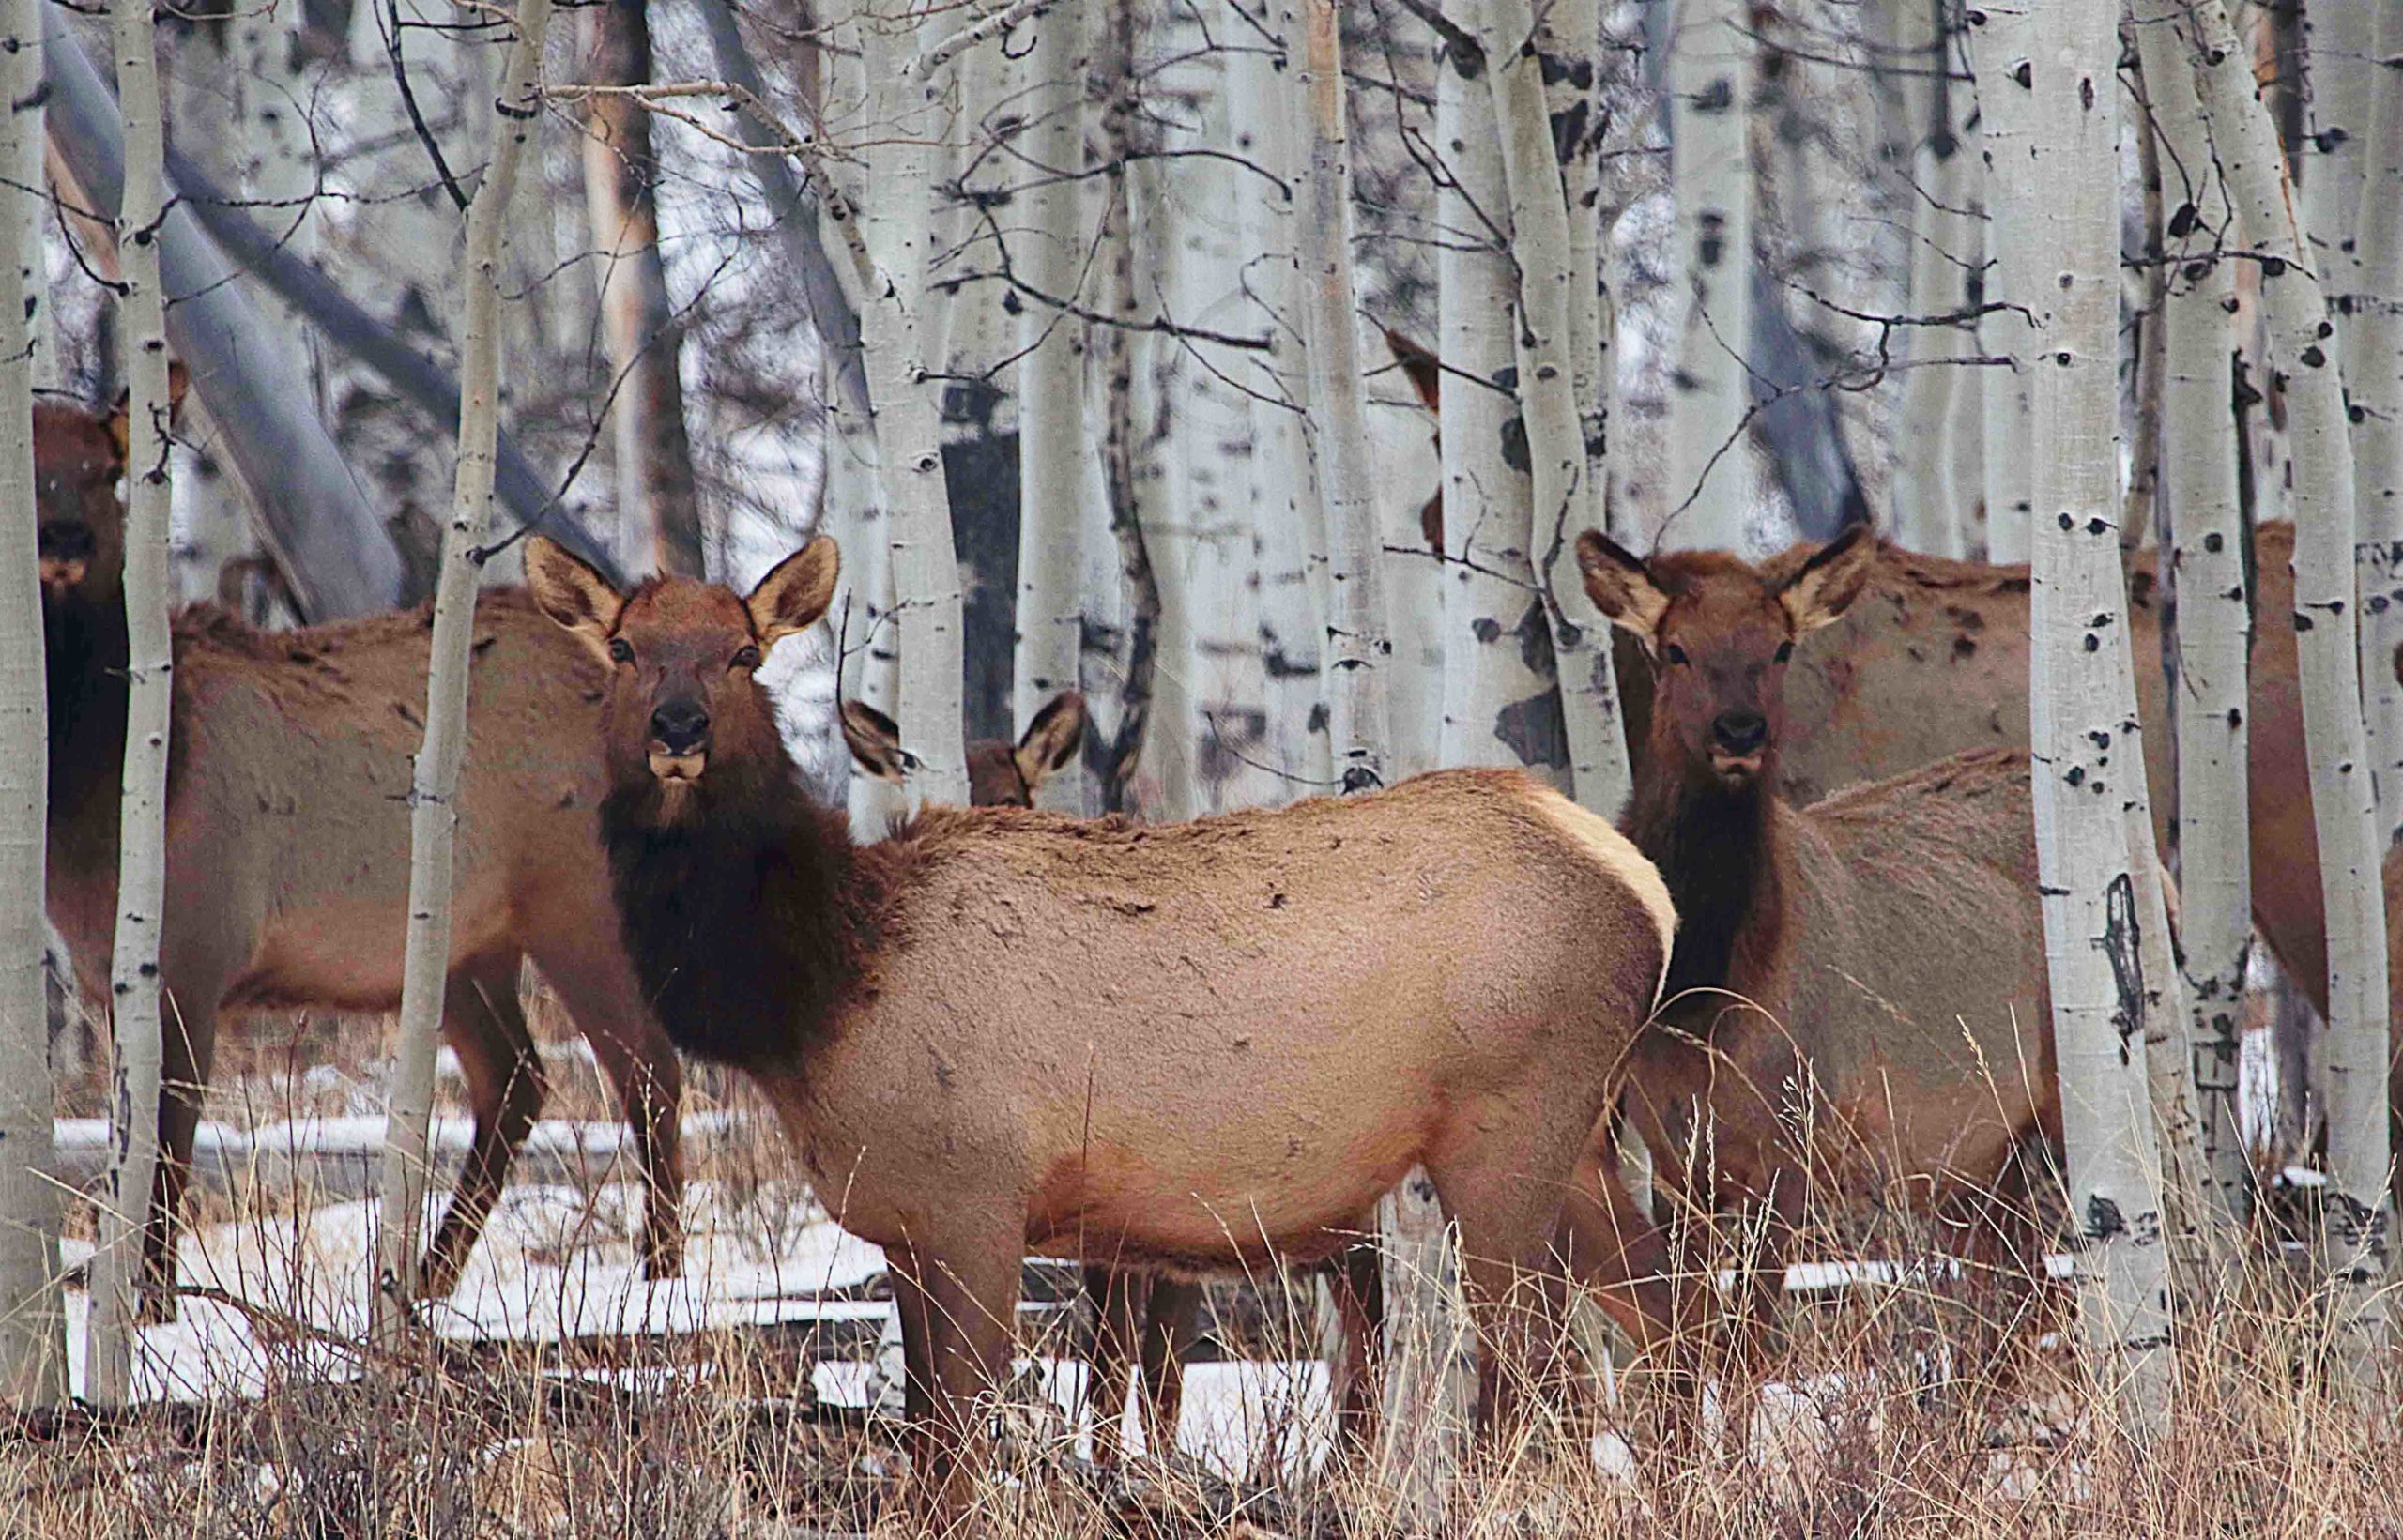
x=558, y=1392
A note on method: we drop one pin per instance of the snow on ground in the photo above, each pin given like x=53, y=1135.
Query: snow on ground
x=557, y=1263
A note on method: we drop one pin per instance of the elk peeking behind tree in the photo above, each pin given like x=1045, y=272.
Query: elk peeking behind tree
x=960, y=1024
x=287, y=846
x=1859, y=989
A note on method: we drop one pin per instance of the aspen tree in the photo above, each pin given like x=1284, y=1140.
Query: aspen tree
x=2001, y=37
x=1423, y=1433
x=891, y=231
x=1049, y=252
x=1501, y=699
x=2302, y=357
x=33, y=1362
x=137, y=1013
x=2214, y=611
x=2085, y=745
x=425, y=966
x=2371, y=330
x=1710, y=97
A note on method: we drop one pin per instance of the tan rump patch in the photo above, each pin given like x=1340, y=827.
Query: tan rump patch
x=1618, y=855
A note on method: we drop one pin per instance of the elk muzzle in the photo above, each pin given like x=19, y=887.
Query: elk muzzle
x=680, y=741
x=66, y=555
x=1738, y=740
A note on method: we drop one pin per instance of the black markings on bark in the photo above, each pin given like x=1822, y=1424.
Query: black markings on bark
x=1535, y=729
x=2123, y=943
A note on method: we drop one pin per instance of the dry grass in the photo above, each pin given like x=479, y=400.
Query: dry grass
x=1903, y=1407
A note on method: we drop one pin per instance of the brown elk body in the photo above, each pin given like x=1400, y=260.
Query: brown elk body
x=1859, y=987
x=1146, y=1319
x=1000, y=1029
x=288, y=844
x=1934, y=661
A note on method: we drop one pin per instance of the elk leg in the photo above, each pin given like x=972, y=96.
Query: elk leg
x=188, y=1048
x=1171, y=1323
x=917, y=1371
x=600, y=993
x=967, y=1318
x=1611, y=1246
x=1360, y=1285
x=1505, y=1252
x=1116, y=1298
x=484, y=1023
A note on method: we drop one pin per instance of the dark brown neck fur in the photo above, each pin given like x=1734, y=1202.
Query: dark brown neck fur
x=1717, y=850
x=749, y=918
x=84, y=658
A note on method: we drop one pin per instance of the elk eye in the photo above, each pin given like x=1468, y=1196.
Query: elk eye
x=621, y=651
x=1785, y=650
x=746, y=656
x=1674, y=653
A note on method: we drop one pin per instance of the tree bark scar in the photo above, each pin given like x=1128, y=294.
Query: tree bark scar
x=2121, y=942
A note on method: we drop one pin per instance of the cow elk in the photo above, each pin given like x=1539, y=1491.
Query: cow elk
x=1859, y=987
x=999, y=1030
x=1146, y=1319
x=288, y=844
x=1934, y=661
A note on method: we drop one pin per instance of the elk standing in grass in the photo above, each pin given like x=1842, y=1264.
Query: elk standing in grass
x=1858, y=988
x=288, y=848
x=1144, y=1319
x=998, y=1029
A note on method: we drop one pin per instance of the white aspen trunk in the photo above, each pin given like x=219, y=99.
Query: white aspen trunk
x=2214, y=611
x=2091, y=913
x=2372, y=335
x=32, y=1356
x=1711, y=93
x=1052, y=459
x=1421, y=1429
x=2344, y=803
x=1141, y=263
x=1500, y=699
x=2000, y=38
x=1288, y=519
x=134, y=998
x=892, y=228
x=25, y=65
x=1213, y=445
x=2339, y=39
x=1359, y=644
x=433, y=786
x=1580, y=638
x=1945, y=249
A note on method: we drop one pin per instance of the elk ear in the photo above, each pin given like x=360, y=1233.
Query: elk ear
x=571, y=593
x=120, y=426
x=792, y=597
x=121, y=412
x=875, y=741
x=1827, y=585
x=1420, y=366
x=1051, y=738
x=1621, y=586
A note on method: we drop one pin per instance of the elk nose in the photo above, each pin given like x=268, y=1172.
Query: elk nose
x=65, y=541
x=1739, y=732
x=680, y=727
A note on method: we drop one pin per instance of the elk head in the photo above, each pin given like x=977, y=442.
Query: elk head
x=998, y=774
x=1718, y=635
x=686, y=719
x=79, y=458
